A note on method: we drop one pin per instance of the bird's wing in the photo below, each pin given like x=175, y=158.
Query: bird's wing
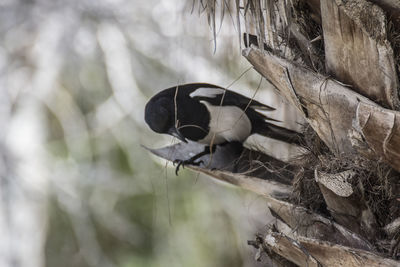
x=216, y=95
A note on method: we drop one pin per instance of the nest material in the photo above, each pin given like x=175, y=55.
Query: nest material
x=306, y=191
x=375, y=184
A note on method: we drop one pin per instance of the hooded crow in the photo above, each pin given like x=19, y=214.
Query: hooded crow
x=211, y=115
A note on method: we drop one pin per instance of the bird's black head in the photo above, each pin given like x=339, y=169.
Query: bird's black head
x=160, y=116
x=157, y=115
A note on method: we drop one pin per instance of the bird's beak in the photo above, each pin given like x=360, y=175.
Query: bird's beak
x=175, y=132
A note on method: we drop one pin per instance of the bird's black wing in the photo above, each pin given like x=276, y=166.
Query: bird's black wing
x=214, y=94
x=219, y=96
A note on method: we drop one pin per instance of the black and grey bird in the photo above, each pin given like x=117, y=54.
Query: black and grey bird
x=211, y=115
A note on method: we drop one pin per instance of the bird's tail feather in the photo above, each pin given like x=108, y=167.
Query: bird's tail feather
x=282, y=134
x=265, y=117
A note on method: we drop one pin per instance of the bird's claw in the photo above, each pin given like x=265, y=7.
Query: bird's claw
x=179, y=163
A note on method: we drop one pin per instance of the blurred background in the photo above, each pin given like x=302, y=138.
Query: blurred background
x=77, y=188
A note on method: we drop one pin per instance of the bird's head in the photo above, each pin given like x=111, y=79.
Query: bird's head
x=160, y=116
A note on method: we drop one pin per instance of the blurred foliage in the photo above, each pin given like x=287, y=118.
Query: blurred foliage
x=91, y=65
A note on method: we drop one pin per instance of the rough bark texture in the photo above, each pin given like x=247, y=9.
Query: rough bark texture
x=315, y=226
x=327, y=105
x=310, y=252
x=392, y=7
x=344, y=204
x=381, y=129
x=290, y=249
x=355, y=39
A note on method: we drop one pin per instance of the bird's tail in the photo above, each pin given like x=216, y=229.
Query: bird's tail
x=280, y=133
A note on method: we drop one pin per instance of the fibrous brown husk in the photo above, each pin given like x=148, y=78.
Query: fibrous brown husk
x=375, y=184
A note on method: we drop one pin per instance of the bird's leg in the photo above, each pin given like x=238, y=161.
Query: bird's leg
x=207, y=150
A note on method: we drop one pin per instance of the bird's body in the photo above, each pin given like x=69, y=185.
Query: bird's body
x=230, y=124
x=211, y=115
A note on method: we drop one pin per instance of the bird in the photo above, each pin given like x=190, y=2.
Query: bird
x=211, y=115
